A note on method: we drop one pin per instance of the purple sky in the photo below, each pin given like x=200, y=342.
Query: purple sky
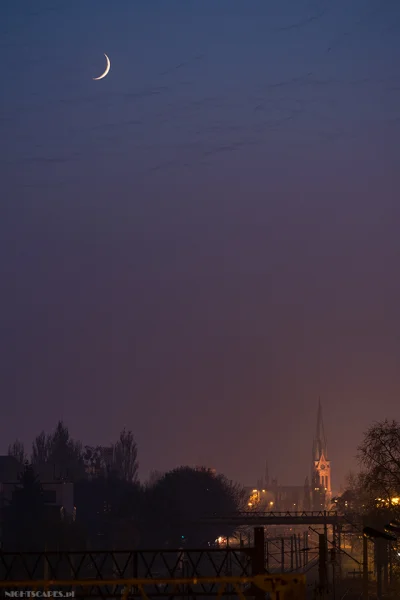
x=204, y=242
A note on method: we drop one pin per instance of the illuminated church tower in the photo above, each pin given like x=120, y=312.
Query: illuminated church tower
x=321, y=490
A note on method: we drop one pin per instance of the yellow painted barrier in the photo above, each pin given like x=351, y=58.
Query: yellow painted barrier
x=285, y=586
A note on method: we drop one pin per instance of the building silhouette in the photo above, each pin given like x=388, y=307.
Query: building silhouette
x=314, y=494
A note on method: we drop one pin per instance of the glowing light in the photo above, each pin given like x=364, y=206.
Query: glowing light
x=387, y=502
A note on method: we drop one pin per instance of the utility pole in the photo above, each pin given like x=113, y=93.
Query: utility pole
x=258, y=559
x=322, y=566
x=333, y=560
x=385, y=560
x=291, y=553
x=378, y=554
x=365, y=568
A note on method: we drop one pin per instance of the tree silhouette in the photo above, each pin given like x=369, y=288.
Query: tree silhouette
x=109, y=508
x=125, y=457
x=372, y=496
x=175, y=505
x=25, y=522
x=17, y=450
x=61, y=452
x=40, y=449
x=379, y=456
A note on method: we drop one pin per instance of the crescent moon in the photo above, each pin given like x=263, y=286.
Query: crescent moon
x=106, y=71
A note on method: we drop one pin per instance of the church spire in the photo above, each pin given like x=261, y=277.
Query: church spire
x=319, y=445
x=321, y=468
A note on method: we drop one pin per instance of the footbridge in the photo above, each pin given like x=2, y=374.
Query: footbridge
x=257, y=519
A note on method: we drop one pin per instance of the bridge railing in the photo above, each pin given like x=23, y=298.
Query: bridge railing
x=100, y=564
x=279, y=514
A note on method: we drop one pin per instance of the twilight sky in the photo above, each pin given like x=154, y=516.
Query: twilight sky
x=204, y=242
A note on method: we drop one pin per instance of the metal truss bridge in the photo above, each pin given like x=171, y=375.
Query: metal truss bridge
x=127, y=564
x=178, y=573
x=256, y=518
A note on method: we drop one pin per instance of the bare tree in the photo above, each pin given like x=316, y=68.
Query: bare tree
x=125, y=457
x=379, y=456
x=40, y=449
x=60, y=451
x=17, y=450
x=238, y=493
x=356, y=500
x=65, y=453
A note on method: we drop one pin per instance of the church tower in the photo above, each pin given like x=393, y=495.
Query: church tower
x=321, y=468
